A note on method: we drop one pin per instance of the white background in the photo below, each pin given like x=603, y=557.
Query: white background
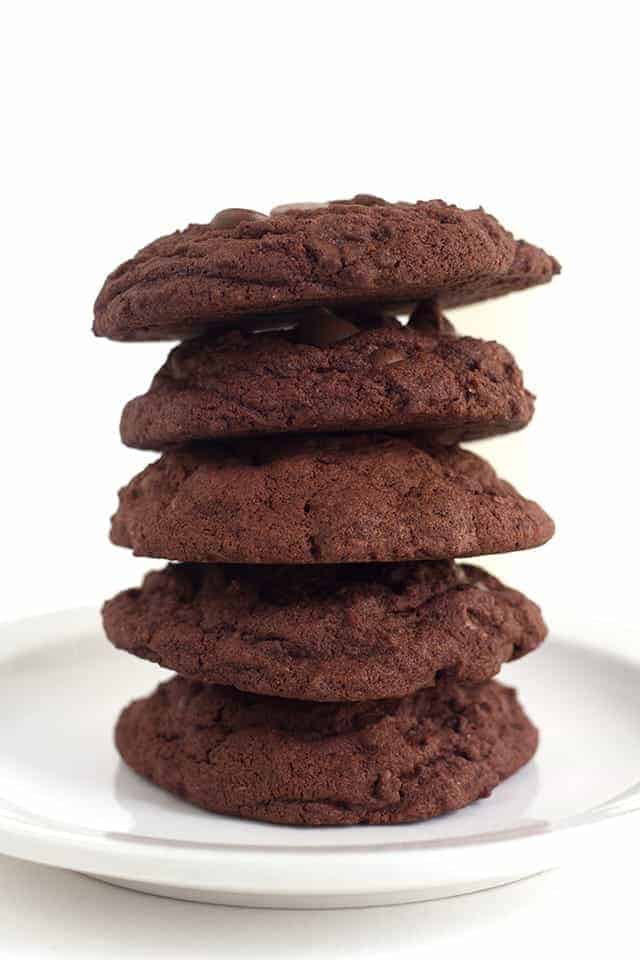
x=123, y=121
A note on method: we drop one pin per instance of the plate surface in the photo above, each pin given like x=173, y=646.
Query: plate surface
x=67, y=800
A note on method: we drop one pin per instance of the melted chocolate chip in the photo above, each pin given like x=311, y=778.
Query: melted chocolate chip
x=321, y=328
x=385, y=357
x=230, y=218
x=428, y=318
x=287, y=207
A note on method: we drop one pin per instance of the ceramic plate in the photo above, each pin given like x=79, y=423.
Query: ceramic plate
x=67, y=800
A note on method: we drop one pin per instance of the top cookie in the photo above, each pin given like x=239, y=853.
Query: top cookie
x=363, y=250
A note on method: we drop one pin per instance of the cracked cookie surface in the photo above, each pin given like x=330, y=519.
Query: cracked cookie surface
x=293, y=762
x=342, y=252
x=325, y=633
x=324, y=499
x=394, y=378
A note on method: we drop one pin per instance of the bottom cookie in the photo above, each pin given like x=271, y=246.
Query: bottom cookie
x=314, y=764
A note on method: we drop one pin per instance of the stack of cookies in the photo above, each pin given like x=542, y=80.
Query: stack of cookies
x=334, y=664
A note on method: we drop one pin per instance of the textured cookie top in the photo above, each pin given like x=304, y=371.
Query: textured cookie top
x=324, y=499
x=287, y=761
x=331, y=374
x=360, y=250
x=349, y=632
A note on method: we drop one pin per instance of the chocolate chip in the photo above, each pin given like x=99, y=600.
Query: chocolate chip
x=321, y=328
x=228, y=219
x=286, y=207
x=428, y=318
x=176, y=369
x=385, y=356
x=447, y=438
x=368, y=200
x=369, y=317
x=398, y=308
x=273, y=322
x=382, y=322
x=388, y=786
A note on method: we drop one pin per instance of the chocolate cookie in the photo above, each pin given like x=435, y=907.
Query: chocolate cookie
x=333, y=376
x=323, y=499
x=290, y=761
x=362, y=250
x=350, y=632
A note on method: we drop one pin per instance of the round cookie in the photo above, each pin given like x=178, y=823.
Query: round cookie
x=330, y=375
x=323, y=499
x=289, y=761
x=325, y=633
x=362, y=250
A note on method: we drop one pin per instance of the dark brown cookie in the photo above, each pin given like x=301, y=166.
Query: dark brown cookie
x=349, y=632
x=530, y=267
x=323, y=499
x=361, y=250
x=289, y=761
x=387, y=378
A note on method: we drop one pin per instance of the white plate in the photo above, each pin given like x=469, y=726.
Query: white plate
x=67, y=800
